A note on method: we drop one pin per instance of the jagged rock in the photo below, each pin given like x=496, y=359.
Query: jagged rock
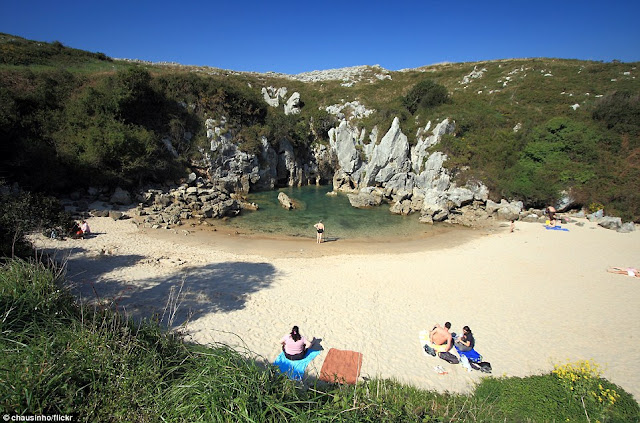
x=344, y=182
x=460, y=196
x=225, y=208
x=609, y=222
x=533, y=218
x=273, y=95
x=468, y=215
x=510, y=211
x=594, y=217
x=99, y=213
x=565, y=202
x=293, y=105
x=120, y=196
x=389, y=157
x=433, y=212
x=404, y=207
x=491, y=206
x=419, y=151
x=116, y=215
x=627, y=227
x=285, y=201
x=365, y=198
x=343, y=140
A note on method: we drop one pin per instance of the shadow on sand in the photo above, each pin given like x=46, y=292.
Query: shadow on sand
x=183, y=293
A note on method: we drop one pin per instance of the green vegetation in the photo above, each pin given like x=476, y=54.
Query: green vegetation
x=23, y=212
x=84, y=119
x=59, y=357
x=425, y=94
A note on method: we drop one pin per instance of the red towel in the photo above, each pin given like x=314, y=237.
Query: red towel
x=341, y=366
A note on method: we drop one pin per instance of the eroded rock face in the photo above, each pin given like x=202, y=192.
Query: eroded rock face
x=410, y=179
x=277, y=164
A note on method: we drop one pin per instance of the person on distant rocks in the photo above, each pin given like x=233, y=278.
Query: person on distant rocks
x=320, y=231
x=86, y=230
x=466, y=342
x=512, y=227
x=551, y=212
x=295, y=345
x=441, y=336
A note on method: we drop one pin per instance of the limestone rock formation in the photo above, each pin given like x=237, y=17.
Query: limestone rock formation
x=285, y=201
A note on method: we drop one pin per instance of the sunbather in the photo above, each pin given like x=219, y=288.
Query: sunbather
x=629, y=271
x=441, y=336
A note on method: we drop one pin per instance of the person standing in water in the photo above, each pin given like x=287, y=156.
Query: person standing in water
x=320, y=231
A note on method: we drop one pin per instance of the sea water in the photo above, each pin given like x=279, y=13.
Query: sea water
x=341, y=220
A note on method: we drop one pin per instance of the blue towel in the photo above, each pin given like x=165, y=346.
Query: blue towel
x=471, y=355
x=556, y=228
x=294, y=369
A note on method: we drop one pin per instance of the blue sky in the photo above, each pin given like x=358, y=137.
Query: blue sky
x=300, y=36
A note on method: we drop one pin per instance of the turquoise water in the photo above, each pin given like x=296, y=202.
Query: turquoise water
x=340, y=219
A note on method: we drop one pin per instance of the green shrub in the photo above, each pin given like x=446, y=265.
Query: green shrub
x=620, y=111
x=23, y=212
x=425, y=94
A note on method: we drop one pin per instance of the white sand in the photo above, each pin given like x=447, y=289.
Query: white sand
x=533, y=298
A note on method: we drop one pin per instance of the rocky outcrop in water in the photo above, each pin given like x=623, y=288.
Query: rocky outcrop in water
x=285, y=201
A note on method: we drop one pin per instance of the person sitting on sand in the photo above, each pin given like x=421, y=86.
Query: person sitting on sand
x=75, y=231
x=320, y=231
x=466, y=342
x=294, y=345
x=85, y=228
x=441, y=336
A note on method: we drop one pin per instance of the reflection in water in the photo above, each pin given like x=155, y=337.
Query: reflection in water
x=340, y=219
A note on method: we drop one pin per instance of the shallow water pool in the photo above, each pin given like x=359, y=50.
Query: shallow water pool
x=341, y=220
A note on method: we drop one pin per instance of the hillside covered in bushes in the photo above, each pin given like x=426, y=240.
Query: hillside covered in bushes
x=530, y=129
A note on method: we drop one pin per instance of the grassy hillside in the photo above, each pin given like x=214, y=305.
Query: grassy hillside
x=60, y=358
x=81, y=116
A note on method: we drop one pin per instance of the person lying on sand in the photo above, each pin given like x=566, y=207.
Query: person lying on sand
x=441, y=336
x=629, y=271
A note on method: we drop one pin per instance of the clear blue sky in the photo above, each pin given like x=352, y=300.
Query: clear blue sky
x=300, y=36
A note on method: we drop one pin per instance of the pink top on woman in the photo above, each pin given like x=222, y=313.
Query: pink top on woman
x=292, y=347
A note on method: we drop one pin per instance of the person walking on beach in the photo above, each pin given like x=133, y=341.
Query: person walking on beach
x=320, y=231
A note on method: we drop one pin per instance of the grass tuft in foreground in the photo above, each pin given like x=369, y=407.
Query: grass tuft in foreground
x=59, y=357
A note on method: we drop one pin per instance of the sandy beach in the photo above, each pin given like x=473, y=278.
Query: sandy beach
x=533, y=298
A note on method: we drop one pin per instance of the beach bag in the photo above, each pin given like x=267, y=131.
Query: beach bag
x=449, y=358
x=483, y=366
x=429, y=350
